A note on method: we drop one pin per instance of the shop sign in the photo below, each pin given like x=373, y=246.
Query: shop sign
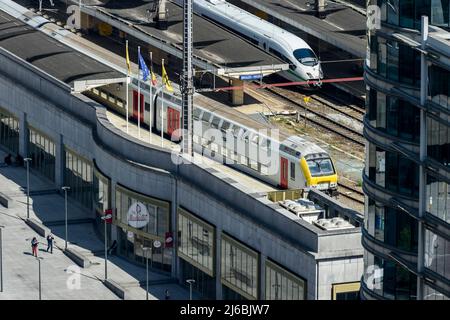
x=138, y=216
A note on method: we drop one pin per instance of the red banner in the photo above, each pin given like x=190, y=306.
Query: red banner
x=107, y=212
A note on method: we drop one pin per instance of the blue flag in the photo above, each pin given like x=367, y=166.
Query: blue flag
x=143, y=67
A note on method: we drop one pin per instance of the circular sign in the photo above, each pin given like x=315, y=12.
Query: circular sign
x=138, y=216
x=157, y=244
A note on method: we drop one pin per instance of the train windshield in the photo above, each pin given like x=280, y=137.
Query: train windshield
x=320, y=167
x=306, y=56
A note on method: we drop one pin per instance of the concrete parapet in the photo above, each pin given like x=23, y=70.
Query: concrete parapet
x=37, y=226
x=115, y=287
x=77, y=257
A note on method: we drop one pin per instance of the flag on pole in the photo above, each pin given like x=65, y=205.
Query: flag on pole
x=143, y=67
x=165, y=79
x=128, y=59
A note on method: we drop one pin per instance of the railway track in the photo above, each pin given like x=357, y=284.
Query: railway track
x=320, y=118
x=350, y=111
x=351, y=193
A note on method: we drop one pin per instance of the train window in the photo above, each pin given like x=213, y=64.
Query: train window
x=206, y=116
x=147, y=106
x=197, y=113
x=104, y=95
x=95, y=91
x=293, y=171
x=120, y=103
x=112, y=99
x=215, y=122
x=225, y=126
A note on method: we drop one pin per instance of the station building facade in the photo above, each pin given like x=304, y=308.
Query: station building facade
x=406, y=234
x=234, y=243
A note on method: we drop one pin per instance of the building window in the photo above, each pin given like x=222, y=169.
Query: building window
x=239, y=268
x=142, y=214
x=9, y=131
x=282, y=284
x=79, y=177
x=388, y=279
x=439, y=141
x=346, y=291
x=196, y=242
x=438, y=198
x=437, y=254
x=389, y=66
x=439, y=86
x=432, y=294
x=394, y=116
x=393, y=227
x=401, y=175
x=101, y=192
x=42, y=152
x=204, y=284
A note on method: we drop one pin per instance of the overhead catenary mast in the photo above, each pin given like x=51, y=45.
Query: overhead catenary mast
x=187, y=85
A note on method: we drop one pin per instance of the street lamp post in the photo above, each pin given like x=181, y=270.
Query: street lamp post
x=105, y=218
x=145, y=249
x=40, y=286
x=1, y=259
x=65, y=188
x=27, y=160
x=190, y=281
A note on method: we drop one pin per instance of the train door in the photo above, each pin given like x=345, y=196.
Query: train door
x=173, y=122
x=135, y=106
x=284, y=173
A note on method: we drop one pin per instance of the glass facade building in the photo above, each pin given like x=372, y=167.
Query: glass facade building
x=9, y=131
x=406, y=229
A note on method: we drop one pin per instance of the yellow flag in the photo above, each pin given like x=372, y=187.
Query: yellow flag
x=306, y=99
x=128, y=59
x=166, y=80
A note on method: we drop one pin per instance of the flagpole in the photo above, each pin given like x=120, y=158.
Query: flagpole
x=162, y=110
x=151, y=95
x=139, y=96
x=128, y=73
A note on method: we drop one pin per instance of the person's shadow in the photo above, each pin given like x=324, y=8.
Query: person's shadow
x=27, y=253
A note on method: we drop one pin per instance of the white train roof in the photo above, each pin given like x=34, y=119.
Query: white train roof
x=254, y=22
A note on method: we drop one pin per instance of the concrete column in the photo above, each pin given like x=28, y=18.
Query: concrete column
x=59, y=162
x=262, y=277
x=113, y=207
x=218, y=264
x=237, y=96
x=23, y=135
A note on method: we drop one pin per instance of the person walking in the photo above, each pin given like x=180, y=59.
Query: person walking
x=34, y=246
x=50, y=239
x=167, y=294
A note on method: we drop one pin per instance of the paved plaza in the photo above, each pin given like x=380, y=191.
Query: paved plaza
x=21, y=269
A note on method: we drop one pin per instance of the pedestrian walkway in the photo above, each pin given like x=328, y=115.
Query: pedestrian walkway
x=20, y=268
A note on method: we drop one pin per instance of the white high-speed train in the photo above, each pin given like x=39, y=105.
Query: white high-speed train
x=303, y=62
